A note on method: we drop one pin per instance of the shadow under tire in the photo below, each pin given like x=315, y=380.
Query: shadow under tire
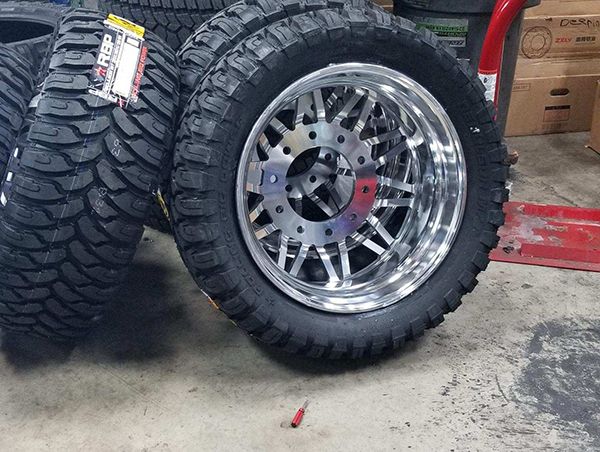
x=80, y=189
x=209, y=224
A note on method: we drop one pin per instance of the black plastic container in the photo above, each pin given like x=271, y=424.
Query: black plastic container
x=463, y=25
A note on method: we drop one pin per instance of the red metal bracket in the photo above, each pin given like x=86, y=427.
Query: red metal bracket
x=551, y=236
x=490, y=63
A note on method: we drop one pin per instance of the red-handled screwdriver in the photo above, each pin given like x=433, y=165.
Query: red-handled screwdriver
x=299, y=415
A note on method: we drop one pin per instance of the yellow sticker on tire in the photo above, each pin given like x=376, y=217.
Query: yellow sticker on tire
x=117, y=21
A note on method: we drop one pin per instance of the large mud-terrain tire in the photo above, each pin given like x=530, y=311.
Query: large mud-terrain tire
x=79, y=190
x=16, y=91
x=29, y=28
x=172, y=20
x=227, y=245
x=224, y=31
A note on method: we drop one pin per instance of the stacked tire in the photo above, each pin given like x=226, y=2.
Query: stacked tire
x=334, y=176
x=338, y=176
x=79, y=184
x=172, y=20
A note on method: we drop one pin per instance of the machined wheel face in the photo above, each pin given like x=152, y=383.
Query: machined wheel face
x=351, y=188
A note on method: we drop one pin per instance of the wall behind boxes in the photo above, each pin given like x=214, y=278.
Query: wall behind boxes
x=558, y=69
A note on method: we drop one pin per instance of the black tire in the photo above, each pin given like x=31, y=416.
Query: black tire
x=172, y=20
x=81, y=187
x=157, y=218
x=225, y=30
x=215, y=127
x=29, y=28
x=16, y=91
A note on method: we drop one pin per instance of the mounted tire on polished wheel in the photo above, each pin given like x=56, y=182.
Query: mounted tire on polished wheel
x=369, y=183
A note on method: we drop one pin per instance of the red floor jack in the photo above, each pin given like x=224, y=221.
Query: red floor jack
x=553, y=236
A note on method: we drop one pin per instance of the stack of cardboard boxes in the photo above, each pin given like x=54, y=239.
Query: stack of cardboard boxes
x=556, y=84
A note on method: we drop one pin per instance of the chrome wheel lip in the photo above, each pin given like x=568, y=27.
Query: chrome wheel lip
x=424, y=259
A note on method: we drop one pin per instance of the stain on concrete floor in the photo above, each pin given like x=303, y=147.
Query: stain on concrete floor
x=563, y=375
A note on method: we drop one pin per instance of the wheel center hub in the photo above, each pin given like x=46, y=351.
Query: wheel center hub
x=320, y=184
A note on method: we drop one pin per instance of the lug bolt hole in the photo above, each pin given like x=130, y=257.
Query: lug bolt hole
x=353, y=217
x=327, y=157
x=300, y=229
x=313, y=179
x=365, y=189
x=288, y=188
x=312, y=135
x=328, y=232
x=341, y=139
x=287, y=150
x=279, y=209
x=361, y=160
x=273, y=179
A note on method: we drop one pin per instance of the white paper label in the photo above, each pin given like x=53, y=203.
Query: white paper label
x=490, y=82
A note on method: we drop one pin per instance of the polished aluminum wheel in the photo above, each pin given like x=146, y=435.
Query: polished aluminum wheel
x=351, y=188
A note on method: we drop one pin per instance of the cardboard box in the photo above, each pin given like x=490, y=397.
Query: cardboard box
x=556, y=67
x=561, y=36
x=551, y=105
x=595, y=134
x=564, y=7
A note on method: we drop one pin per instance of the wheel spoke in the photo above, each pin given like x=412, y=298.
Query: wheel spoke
x=303, y=108
x=263, y=143
x=331, y=100
x=344, y=260
x=392, y=154
x=254, y=177
x=371, y=245
x=398, y=185
x=350, y=104
x=346, y=172
x=255, y=212
x=365, y=112
x=314, y=197
x=384, y=137
x=279, y=127
x=319, y=105
x=380, y=229
x=329, y=268
x=299, y=259
x=264, y=231
x=416, y=139
x=283, y=250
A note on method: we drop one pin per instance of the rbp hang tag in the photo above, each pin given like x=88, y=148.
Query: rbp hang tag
x=117, y=73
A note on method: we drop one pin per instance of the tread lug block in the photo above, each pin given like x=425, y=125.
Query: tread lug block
x=220, y=34
x=51, y=134
x=81, y=184
x=172, y=21
x=16, y=91
x=43, y=160
x=265, y=76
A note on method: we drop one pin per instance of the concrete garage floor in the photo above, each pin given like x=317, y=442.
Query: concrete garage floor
x=516, y=367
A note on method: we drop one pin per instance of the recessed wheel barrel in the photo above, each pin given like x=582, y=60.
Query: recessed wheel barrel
x=463, y=25
x=338, y=182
